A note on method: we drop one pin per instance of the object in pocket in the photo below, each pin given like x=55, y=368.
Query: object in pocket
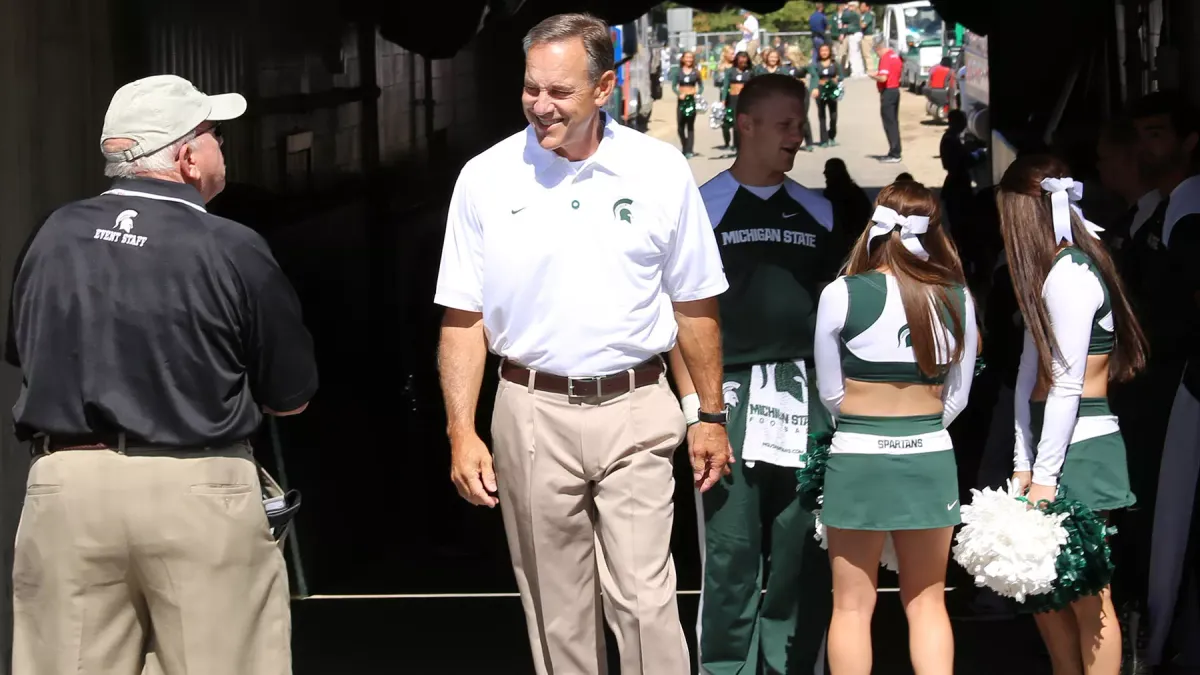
x=281, y=506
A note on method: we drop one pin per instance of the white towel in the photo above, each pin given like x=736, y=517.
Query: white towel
x=777, y=415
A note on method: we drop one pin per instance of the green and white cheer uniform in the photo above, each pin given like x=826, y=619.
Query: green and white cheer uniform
x=1068, y=439
x=778, y=251
x=889, y=473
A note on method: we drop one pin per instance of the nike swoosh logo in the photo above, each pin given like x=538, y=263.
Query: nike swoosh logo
x=791, y=215
x=516, y=211
x=951, y=505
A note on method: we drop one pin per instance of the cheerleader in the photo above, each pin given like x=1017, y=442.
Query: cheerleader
x=735, y=78
x=1080, y=333
x=771, y=63
x=719, y=75
x=794, y=66
x=895, y=352
x=686, y=83
x=825, y=79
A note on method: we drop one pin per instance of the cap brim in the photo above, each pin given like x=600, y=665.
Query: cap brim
x=226, y=107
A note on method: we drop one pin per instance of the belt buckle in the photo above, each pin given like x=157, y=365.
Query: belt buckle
x=572, y=380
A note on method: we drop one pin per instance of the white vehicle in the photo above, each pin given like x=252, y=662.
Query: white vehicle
x=914, y=30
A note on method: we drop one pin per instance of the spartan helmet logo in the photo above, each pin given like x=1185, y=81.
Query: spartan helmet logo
x=789, y=378
x=124, y=221
x=621, y=210
x=904, y=337
x=730, y=390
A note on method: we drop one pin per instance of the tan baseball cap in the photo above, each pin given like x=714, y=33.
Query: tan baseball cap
x=156, y=111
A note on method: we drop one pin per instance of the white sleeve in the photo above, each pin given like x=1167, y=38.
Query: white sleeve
x=1026, y=379
x=827, y=352
x=693, y=269
x=1072, y=295
x=460, y=275
x=958, y=381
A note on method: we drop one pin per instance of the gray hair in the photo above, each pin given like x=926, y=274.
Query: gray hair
x=158, y=161
x=564, y=27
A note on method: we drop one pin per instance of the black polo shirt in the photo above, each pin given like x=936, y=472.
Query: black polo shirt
x=138, y=311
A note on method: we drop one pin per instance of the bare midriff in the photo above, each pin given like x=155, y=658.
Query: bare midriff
x=891, y=399
x=687, y=90
x=1095, y=380
x=735, y=88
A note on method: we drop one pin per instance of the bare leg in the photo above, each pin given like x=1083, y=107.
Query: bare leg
x=854, y=557
x=923, y=556
x=1061, y=635
x=1099, y=634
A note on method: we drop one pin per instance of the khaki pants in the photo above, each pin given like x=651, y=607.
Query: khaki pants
x=841, y=50
x=127, y=562
x=586, y=492
x=868, y=52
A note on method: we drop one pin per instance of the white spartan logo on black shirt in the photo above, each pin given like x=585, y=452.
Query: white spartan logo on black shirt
x=122, y=230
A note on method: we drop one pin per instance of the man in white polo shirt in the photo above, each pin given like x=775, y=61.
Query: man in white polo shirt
x=579, y=251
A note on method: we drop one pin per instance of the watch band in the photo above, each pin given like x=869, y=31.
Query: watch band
x=714, y=418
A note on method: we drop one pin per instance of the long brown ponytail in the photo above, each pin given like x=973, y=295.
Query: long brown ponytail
x=1026, y=223
x=919, y=280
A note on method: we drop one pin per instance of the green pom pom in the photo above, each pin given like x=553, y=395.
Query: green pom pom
x=810, y=480
x=1085, y=564
x=980, y=366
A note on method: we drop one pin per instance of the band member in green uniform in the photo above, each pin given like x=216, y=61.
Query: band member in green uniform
x=895, y=348
x=825, y=77
x=687, y=85
x=1080, y=334
x=735, y=79
x=776, y=241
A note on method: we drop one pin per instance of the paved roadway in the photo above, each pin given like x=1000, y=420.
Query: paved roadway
x=860, y=140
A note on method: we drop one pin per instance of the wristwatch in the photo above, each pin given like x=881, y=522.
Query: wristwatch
x=721, y=418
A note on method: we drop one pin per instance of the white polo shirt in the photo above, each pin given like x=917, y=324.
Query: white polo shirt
x=574, y=265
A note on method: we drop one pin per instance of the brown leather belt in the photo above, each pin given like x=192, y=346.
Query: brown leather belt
x=644, y=374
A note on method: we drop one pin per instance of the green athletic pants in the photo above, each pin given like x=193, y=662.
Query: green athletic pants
x=753, y=527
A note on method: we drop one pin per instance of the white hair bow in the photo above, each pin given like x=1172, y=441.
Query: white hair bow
x=886, y=220
x=1065, y=194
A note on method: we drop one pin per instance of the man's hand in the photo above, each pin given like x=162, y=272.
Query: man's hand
x=708, y=447
x=471, y=471
x=1022, y=479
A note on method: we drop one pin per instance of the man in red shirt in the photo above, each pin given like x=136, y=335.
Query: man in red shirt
x=888, y=81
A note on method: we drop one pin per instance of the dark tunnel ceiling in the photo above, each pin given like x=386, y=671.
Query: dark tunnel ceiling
x=397, y=23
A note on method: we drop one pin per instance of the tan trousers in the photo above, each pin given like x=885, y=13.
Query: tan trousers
x=127, y=562
x=841, y=53
x=586, y=492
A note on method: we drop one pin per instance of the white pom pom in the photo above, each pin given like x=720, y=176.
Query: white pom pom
x=1007, y=546
x=887, y=559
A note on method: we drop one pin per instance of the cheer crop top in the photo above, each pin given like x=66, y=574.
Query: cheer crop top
x=682, y=78
x=863, y=334
x=1082, y=323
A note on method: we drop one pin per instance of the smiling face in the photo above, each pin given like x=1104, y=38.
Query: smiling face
x=772, y=59
x=561, y=100
x=772, y=132
x=688, y=59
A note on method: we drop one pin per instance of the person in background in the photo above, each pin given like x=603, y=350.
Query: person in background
x=735, y=78
x=687, y=85
x=753, y=526
x=887, y=78
x=772, y=63
x=720, y=75
x=903, y=176
x=1162, y=262
x=824, y=78
x=851, y=206
x=152, y=337
x=895, y=351
x=1080, y=334
x=798, y=69
x=1117, y=166
x=749, y=28
x=837, y=33
x=870, y=60
x=818, y=26
x=852, y=31
x=588, y=516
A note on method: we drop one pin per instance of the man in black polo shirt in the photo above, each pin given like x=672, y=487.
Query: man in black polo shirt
x=151, y=337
